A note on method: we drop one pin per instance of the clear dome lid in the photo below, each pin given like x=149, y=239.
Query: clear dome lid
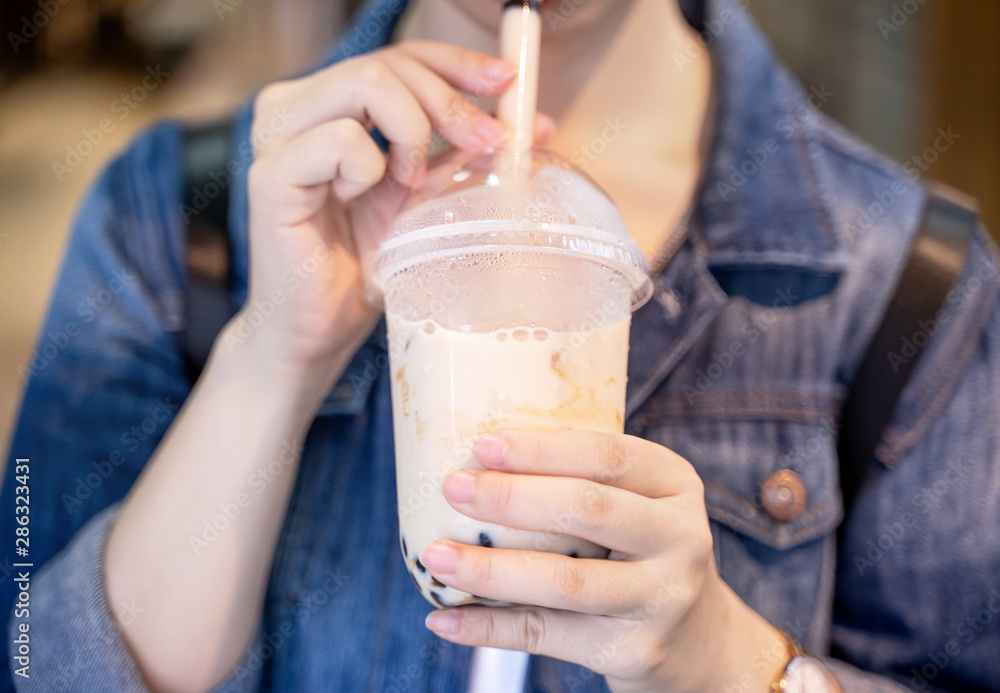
x=505, y=201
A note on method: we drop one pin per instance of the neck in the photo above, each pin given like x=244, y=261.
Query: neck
x=628, y=113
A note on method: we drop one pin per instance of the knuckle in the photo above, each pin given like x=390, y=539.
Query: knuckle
x=532, y=631
x=503, y=492
x=614, y=457
x=530, y=451
x=643, y=655
x=701, y=549
x=696, y=485
x=684, y=595
x=267, y=97
x=596, y=508
x=346, y=133
x=372, y=73
x=469, y=61
x=423, y=133
x=267, y=100
x=487, y=569
x=458, y=110
x=489, y=626
x=570, y=582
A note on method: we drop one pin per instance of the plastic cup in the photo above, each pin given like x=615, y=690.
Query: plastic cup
x=508, y=294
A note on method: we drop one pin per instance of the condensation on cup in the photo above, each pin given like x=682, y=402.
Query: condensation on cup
x=508, y=283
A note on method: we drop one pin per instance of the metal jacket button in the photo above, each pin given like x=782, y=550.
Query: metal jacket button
x=783, y=495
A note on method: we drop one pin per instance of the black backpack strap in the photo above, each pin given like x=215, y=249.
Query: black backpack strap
x=936, y=261
x=208, y=307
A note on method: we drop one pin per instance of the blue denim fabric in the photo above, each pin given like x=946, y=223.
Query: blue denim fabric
x=739, y=363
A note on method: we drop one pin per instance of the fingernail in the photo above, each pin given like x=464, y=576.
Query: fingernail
x=459, y=486
x=499, y=70
x=490, y=450
x=443, y=622
x=490, y=130
x=440, y=558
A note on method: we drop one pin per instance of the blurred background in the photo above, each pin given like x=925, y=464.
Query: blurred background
x=898, y=70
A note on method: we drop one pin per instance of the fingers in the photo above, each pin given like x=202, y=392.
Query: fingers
x=475, y=73
x=560, y=634
x=605, y=645
x=458, y=120
x=338, y=152
x=543, y=579
x=545, y=128
x=605, y=515
x=400, y=95
x=625, y=462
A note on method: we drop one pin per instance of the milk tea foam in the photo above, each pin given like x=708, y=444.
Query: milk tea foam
x=449, y=386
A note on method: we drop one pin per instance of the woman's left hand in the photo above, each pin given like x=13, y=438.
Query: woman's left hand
x=654, y=617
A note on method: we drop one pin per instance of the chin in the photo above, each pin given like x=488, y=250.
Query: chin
x=558, y=16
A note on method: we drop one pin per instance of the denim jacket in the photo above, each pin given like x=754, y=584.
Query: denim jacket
x=739, y=363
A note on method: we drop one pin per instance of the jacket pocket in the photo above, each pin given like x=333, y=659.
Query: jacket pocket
x=782, y=564
x=749, y=444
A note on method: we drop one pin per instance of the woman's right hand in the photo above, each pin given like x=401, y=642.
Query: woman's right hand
x=322, y=193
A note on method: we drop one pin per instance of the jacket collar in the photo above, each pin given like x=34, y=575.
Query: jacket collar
x=760, y=201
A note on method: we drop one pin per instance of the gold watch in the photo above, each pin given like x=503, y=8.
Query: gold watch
x=803, y=674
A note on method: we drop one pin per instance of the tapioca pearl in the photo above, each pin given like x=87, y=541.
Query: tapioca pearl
x=501, y=336
x=540, y=335
x=484, y=540
x=439, y=600
x=420, y=566
x=573, y=554
x=521, y=335
x=429, y=327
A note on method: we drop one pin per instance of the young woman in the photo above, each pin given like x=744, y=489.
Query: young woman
x=722, y=505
